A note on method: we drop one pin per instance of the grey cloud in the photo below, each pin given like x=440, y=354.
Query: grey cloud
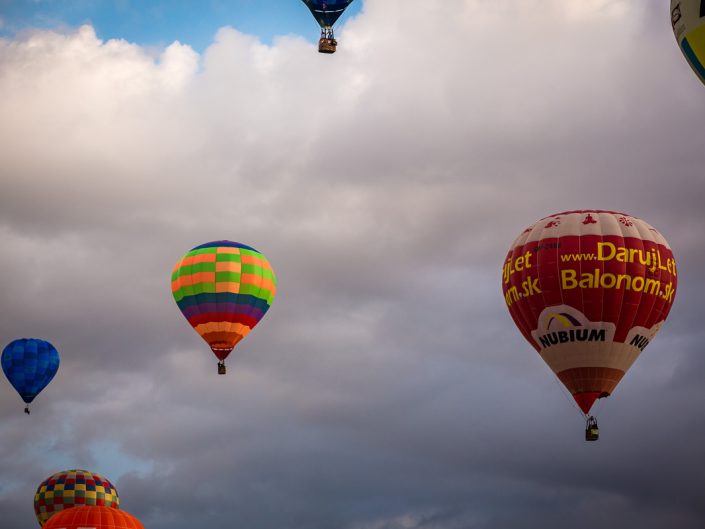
x=387, y=388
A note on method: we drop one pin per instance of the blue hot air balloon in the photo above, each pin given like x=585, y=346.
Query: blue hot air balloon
x=29, y=364
x=326, y=13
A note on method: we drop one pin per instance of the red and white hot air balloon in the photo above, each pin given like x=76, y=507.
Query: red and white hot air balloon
x=589, y=290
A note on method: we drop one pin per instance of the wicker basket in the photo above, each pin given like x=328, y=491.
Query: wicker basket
x=327, y=45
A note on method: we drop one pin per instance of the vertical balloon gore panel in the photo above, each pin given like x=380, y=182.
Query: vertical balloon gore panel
x=589, y=290
x=327, y=12
x=688, y=21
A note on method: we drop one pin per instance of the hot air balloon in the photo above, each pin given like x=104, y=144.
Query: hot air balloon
x=326, y=13
x=589, y=290
x=29, y=364
x=688, y=21
x=223, y=289
x=73, y=488
x=93, y=517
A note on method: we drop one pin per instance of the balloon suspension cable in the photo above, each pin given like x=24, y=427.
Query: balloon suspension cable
x=327, y=33
x=569, y=398
x=595, y=406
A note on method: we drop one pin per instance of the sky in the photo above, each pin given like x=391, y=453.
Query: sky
x=158, y=23
x=387, y=387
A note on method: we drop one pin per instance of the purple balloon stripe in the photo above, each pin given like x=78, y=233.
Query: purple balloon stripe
x=230, y=308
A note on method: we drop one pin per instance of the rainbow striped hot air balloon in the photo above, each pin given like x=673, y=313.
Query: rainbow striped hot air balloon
x=223, y=289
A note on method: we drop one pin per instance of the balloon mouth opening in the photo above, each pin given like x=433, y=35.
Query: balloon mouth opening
x=587, y=398
x=221, y=350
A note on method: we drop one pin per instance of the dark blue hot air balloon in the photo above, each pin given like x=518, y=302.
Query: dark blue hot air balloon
x=29, y=364
x=326, y=13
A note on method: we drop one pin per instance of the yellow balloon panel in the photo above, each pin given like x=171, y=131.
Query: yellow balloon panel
x=688, y=21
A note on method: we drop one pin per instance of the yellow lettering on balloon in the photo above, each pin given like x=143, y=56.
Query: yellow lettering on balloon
x=600, y=253
x=568, y=280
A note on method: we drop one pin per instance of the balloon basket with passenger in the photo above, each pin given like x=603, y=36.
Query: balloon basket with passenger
x=592, y=433
x=326, y=14
x=327, y=42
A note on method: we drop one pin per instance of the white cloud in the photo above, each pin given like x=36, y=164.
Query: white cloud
x=385, y=183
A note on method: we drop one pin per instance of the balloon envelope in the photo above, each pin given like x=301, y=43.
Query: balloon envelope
x=326, y=13
x=223, y=288
x=589, y=290
x=688, y=21
x=92, y=517
x=29, y=364
x=73, y=488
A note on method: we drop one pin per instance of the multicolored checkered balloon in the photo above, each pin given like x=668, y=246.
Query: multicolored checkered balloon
x=223, y=288
x=72, y=488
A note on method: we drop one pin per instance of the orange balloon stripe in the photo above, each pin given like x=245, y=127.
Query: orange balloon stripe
x=190, y=260
x=198, y=277
x=228, y=266
x=251, y=279
x=251, y=259
x=227, y=249
x=230, y=339
x=222, y=286
x=236, y=329
x=591, y=379
x=194, y=279
x=222, y=326
x=200, y=258
x=258, y=281
x=186, y=261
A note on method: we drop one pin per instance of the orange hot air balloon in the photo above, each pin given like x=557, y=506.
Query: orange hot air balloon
x=93, y=517
x=589, y=290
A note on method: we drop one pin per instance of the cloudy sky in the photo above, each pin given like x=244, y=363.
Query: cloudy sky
x=388, y=387
x=157, y=23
